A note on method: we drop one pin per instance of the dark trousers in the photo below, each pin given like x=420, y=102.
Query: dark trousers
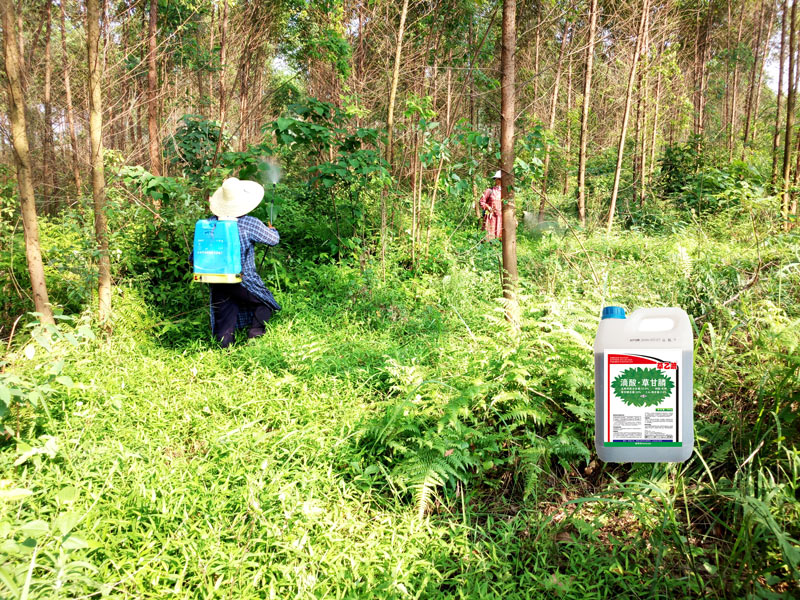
x=227, y=300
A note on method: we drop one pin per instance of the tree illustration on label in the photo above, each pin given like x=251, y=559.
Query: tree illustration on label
x=642, y=387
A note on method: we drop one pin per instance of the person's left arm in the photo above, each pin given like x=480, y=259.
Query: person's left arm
x=260, y=233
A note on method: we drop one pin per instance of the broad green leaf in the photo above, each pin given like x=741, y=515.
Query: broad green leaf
x=74, y=542
x=66, y=521
x=283, y=123
x=67, y=494
x=8, y=580
x=14, y=494
x=35, y=529
x=66, y=381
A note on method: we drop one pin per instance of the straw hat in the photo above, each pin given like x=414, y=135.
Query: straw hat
x=236, y=198
x=498, y=175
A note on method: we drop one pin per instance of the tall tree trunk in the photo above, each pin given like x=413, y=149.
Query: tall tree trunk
x=777, y=134
x=22, y=159
x=552, y=121
x=732, y=114
x=211, y=41
x=704, y=60
x=764, y=56
x=393, y=90
x=472, y=79
x=696, y=69
x=625, y=116
x=152, y=93
x=48, y=155
x=507, y=115
x=755, y=69
x=643, y=102
x=568, y=120
x=98, y=173
x=790, y=98
x=587, y=90
x=795, y=173
x=122, y=103
x=537, y=45
x=655, y=128
x=726, y=102
x=243, y=89
x=223, y=49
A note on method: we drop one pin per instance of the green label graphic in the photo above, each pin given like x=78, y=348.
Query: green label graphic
x=640, y=386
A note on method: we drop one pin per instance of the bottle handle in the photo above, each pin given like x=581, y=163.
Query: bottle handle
x=657, y=320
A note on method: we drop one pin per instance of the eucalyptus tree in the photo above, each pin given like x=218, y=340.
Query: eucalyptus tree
x=393, y=87
x=790, y=101
x=95, y=65
x=19, y=136
x=154, y=142
x=508, y=113
x=587, y=91
x=644, y=13
x=777, y=130
x=70, y=113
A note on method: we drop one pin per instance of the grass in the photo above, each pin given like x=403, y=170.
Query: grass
x=186, y=471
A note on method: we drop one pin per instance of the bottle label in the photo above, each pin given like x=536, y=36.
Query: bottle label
x=641, y=398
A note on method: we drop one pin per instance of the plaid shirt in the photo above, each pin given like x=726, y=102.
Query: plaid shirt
x=252, y=232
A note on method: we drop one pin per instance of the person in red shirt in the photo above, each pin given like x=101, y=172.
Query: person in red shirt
x=492, y=204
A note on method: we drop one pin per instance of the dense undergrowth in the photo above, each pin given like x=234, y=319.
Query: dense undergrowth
x=391, y=438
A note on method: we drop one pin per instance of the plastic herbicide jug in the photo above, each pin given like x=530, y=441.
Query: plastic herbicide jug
x=643, y=385
x=217, y=251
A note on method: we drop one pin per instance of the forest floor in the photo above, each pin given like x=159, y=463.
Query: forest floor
x=174, y=468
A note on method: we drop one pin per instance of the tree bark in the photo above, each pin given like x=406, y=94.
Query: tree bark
x=790, y=98
x=726, y=101
x=393, y=89
x=507, y=114
x=655, y=127
x=777, y=134
x=98, y=172
x=755, y=68
x=732, y=114
x=244, y=73
x=587, y=90
x=211, y=36
x=537, y=44
x=222, y=64
x=568, y=120
x=625, y=116
x=644, y=100
x=21, y=151
x=764, y=55
x=705, y=56
x=152, y=94
x=48, y=155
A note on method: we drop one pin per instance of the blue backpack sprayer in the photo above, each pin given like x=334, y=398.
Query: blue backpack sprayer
x=217, y=253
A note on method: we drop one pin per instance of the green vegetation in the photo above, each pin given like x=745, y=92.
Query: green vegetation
x=393, y=435
x=392, y=439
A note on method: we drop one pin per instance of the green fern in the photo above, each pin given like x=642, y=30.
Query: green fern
x=567, y=447
x=435, y=462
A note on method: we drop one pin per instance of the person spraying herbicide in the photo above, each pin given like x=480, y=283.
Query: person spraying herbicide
x=643, y=385
x=224, y=256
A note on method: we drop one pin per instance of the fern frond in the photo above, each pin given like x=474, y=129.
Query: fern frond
x=424, y=490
